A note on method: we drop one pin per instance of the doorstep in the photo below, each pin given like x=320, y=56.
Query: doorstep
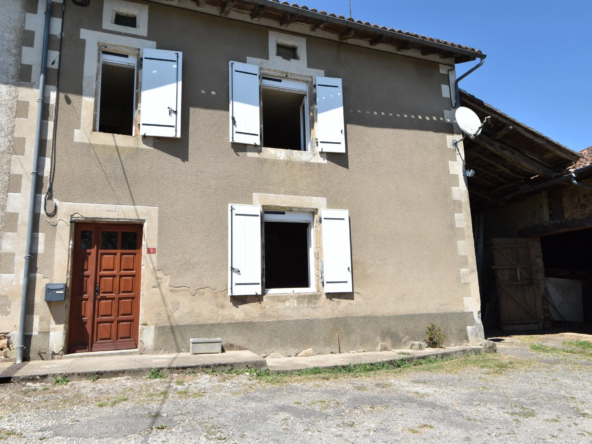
x=102, y=354
x=345, y=359
x=118, y=365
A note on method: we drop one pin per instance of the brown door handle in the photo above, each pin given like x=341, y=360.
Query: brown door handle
x=97, y=290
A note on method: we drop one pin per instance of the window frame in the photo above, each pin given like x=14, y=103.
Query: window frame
x=295, y=86
x=107, y=55
x=272, y=215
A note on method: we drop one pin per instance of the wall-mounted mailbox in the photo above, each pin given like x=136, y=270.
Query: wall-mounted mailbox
x=55, y=292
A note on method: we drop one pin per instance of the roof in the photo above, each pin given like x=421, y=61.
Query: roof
x=345, y=28
x=585, y=161
x=509, y=156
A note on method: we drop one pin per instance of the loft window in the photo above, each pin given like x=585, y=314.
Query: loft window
x=287, y=52
x=128, y=20
x=289, y=258
x=285, y=114
x=117, y=94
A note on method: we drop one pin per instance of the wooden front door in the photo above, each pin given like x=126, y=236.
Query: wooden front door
x=518, y=286
x=105, y=294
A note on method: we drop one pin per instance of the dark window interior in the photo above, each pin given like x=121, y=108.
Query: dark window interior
x=129, y=241
x=281, y=119
x=567, y=256
x=286, y=255
x=287, y=52
x=125, y=20
x=109, y=240
x=567, y=253
x=116, y=114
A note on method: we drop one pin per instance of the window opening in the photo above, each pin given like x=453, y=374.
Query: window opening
x=128, y=20
x=287, y=52
x=285, y=114
x=117, y=93
x=289, y=264
x=109, y=240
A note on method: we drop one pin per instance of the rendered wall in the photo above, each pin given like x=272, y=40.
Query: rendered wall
x=400, y=179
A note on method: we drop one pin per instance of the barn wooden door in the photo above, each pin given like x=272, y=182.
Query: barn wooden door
x=517, y=285
x=105, y=296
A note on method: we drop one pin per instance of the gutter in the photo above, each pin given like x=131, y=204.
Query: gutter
x=28, y=251
x=572, y=178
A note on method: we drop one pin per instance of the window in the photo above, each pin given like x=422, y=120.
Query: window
x=117, y=93
x=287, y=240
x=287, y=52
x=274, y=112
x=160, y=102
x=123, y=19
x=285, y=113
x=289, y=252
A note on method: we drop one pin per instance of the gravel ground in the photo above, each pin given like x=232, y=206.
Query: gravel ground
x=516, y=395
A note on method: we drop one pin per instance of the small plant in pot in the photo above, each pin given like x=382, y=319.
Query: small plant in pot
x=434, y=336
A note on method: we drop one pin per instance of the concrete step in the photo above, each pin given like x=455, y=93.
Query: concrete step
x=345, y=359
x=134, y=351
x=118, y=365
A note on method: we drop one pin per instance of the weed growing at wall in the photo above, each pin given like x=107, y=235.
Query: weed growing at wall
x=156, y=373
x=61, y=380
x=434, y=336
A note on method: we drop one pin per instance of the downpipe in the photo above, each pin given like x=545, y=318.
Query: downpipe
x=28, y=251
x=456, y=89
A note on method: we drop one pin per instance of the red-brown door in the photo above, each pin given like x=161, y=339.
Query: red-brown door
x=105, y=296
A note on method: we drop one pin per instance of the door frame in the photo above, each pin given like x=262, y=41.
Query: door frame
x=96, y=226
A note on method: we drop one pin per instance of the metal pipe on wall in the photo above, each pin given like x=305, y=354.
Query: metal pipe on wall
x=28, y=251
x=474, y=68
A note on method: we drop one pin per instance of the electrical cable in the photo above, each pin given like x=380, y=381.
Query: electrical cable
x=52, y=157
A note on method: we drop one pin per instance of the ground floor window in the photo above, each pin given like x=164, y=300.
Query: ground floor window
x=274, y=251
x=289, y=264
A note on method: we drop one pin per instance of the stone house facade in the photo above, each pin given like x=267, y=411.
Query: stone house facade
x=245, y=170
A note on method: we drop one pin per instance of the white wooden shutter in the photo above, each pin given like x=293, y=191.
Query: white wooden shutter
x=244, y=250
x=160, y=111
x=330, y=120
x=337, y=273
x=245, y=104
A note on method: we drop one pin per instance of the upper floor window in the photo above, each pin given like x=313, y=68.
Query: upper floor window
x=117, y=93
x=159, y=105
x=285, y=112
x=274, y=112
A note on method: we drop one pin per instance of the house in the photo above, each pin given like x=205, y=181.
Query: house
x=531, y=199
x=278, y=177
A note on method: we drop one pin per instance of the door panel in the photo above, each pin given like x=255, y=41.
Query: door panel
x=106, y=288
x=517, y=285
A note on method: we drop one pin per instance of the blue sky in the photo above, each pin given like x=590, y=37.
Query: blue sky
x=539, y=53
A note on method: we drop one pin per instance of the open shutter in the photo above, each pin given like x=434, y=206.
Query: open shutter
x=244, y=250
x=337, y=273
x=160, y=113
x=245, y=104
x=330, y=120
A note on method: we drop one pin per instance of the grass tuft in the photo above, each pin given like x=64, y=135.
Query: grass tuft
x=61, y=380
x=156, y=373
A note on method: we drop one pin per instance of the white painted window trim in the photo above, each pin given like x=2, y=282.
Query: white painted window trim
x=132, y=61
x=293, y=86
x=298, y=217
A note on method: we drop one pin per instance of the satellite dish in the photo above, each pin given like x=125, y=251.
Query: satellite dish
x=468, y=121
